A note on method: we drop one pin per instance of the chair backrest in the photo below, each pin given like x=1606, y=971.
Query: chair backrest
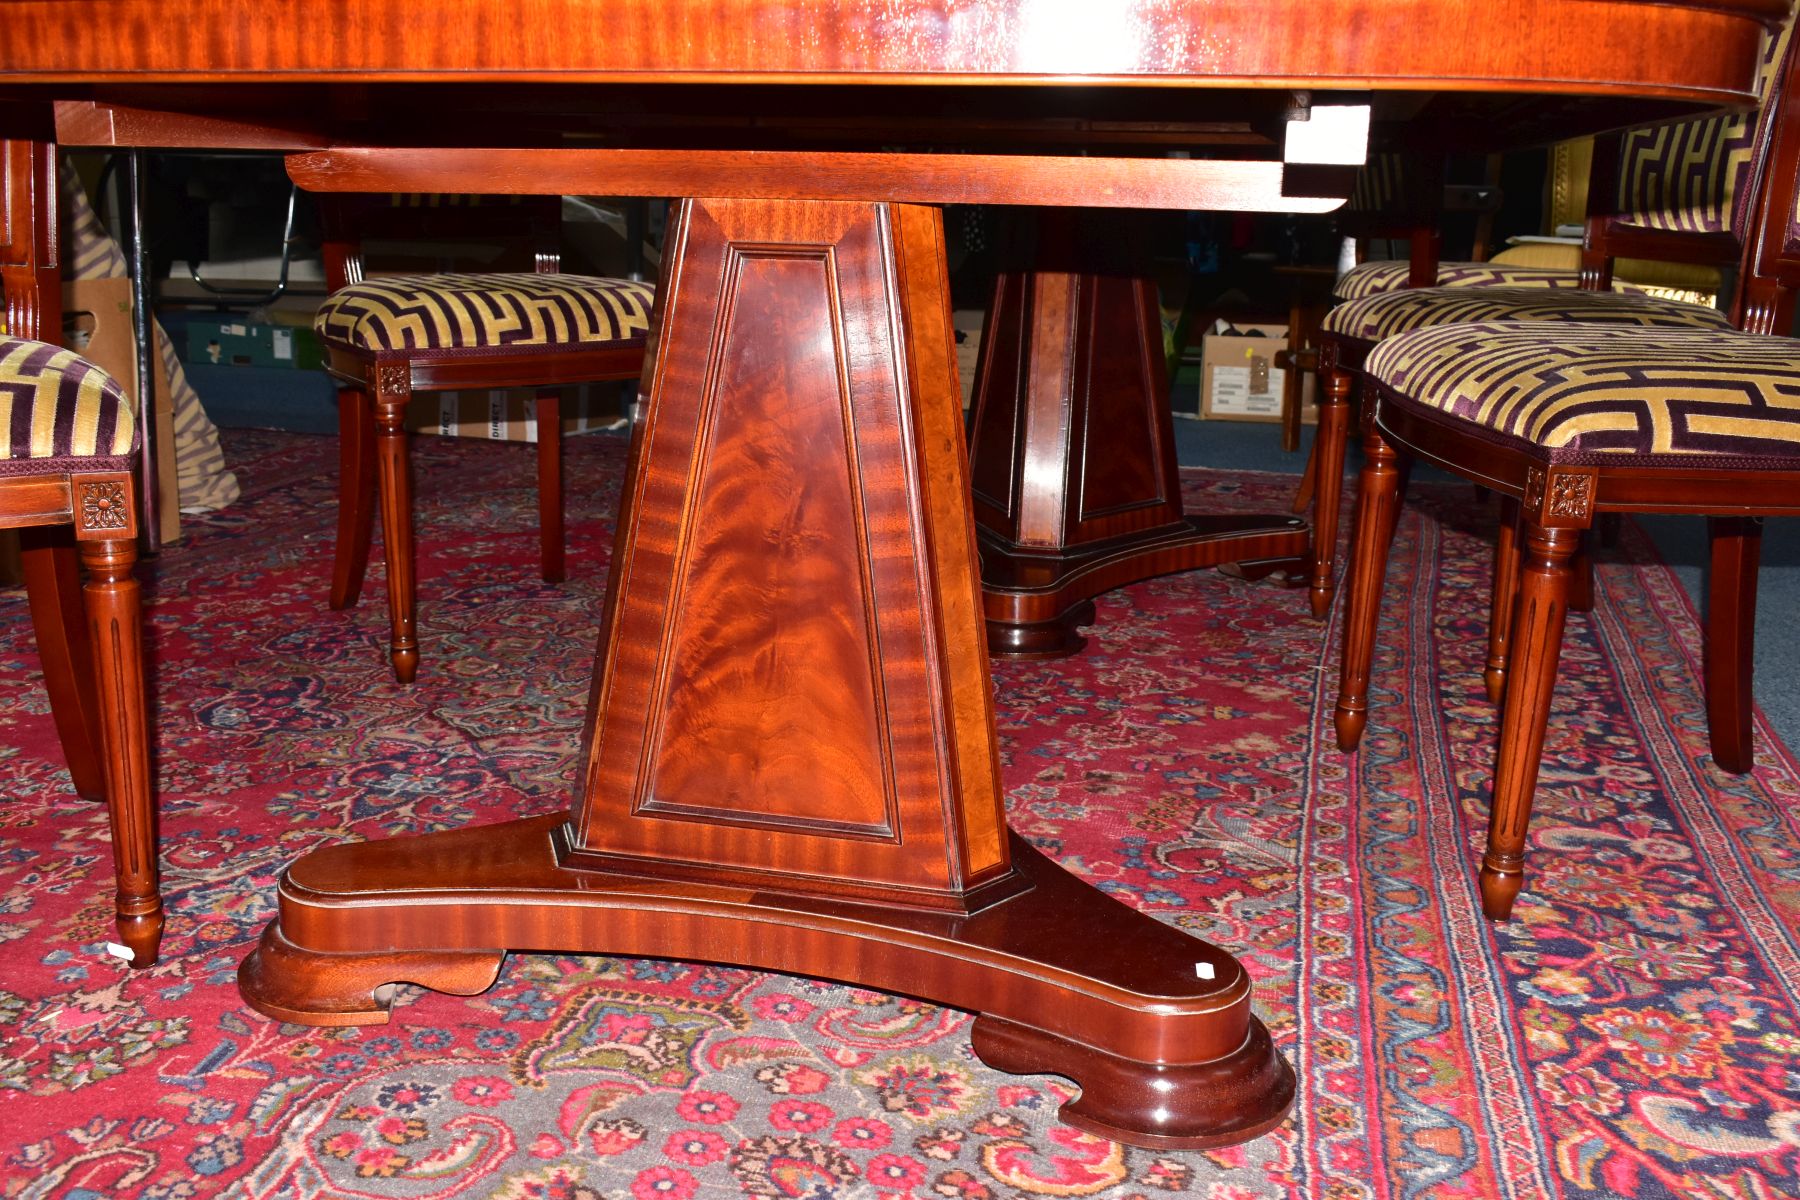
x=1694, y=176
x=1769, y=274
x=30, y=253
x=1683, y=191
x=526, y=227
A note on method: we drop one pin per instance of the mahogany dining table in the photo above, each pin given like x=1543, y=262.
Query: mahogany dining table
x=789, y=760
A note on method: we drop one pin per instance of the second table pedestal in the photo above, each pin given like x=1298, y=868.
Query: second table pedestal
x=1073, y=467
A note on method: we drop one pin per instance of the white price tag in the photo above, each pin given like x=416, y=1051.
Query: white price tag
x=1231, y=394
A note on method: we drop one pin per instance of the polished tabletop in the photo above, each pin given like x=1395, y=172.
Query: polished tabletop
x=1686, y=48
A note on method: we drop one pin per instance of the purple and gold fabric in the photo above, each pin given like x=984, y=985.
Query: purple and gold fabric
x=399, y=313
x=1388, y=314
x=60, y=411
x=1692, y=176
x=1595, y=392
x=1388, y=275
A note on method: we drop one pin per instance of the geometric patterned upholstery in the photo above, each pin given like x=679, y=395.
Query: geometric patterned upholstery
x=1592, y=393
x=397, y=313
x=1389, y=275
x=58, y=411
x=1387, y=314
x=1691, y=175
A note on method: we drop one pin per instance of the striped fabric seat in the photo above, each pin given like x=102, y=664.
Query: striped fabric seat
x=1376, y=318
x=400, y=313
x=1389, y=275
x=1595, y=392
x=60, y=411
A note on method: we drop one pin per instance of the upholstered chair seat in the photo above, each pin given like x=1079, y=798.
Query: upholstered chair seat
x=388, y=336
x=60, y=412
x=1389, y=314
x=1591, y=396
x=1387, y=275
x=514, y=311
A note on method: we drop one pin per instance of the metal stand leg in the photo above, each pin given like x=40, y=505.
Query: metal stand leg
x=143, y=329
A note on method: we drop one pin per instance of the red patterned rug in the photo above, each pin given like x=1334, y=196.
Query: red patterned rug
x=1634, y=1031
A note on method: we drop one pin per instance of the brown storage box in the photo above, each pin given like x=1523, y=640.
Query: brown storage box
x=1239, y=380
x=97, y=325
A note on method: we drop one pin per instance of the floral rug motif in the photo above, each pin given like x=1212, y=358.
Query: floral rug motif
x=1634, y=1030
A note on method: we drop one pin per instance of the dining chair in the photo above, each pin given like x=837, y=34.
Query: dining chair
x=1572, y=420
x=69, y=438
x=386, y=337
x=1675, y=192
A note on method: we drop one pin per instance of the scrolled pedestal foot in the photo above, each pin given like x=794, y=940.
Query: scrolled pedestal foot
x=289, y=983
x=1191, y=1106
x=1287, y=572
x=1041, y=639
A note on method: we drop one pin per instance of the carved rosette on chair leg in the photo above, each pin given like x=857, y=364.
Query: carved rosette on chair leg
x=1328, y=478
x=1377, y=495
x=393, y=388
x=1544, y=584
x=106, y=536
x=1074, y=477
x=790, y=761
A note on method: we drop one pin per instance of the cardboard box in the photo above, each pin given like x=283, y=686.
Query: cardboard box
x=97, y=325
x=1239, y=380
x=966, y=324
x=252, y=344
x=511, y=416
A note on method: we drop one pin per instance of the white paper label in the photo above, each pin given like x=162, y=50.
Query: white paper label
x=284, y=342
x=1231, y=394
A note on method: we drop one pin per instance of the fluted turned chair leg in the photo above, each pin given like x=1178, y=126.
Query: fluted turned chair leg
x=1377, y=494
x=550, y=485
x=395, y=471
x=356, y=496
x=1731, y=639
x=1328, y=481
x=115, y=626
x=59, y=620
x=1545, y=578
x=1506, y=596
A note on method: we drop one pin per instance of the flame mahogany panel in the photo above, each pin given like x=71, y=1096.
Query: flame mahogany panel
x=775, y=666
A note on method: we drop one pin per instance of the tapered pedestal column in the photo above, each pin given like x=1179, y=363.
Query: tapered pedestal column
x=1073, y=467
x=790, y=759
